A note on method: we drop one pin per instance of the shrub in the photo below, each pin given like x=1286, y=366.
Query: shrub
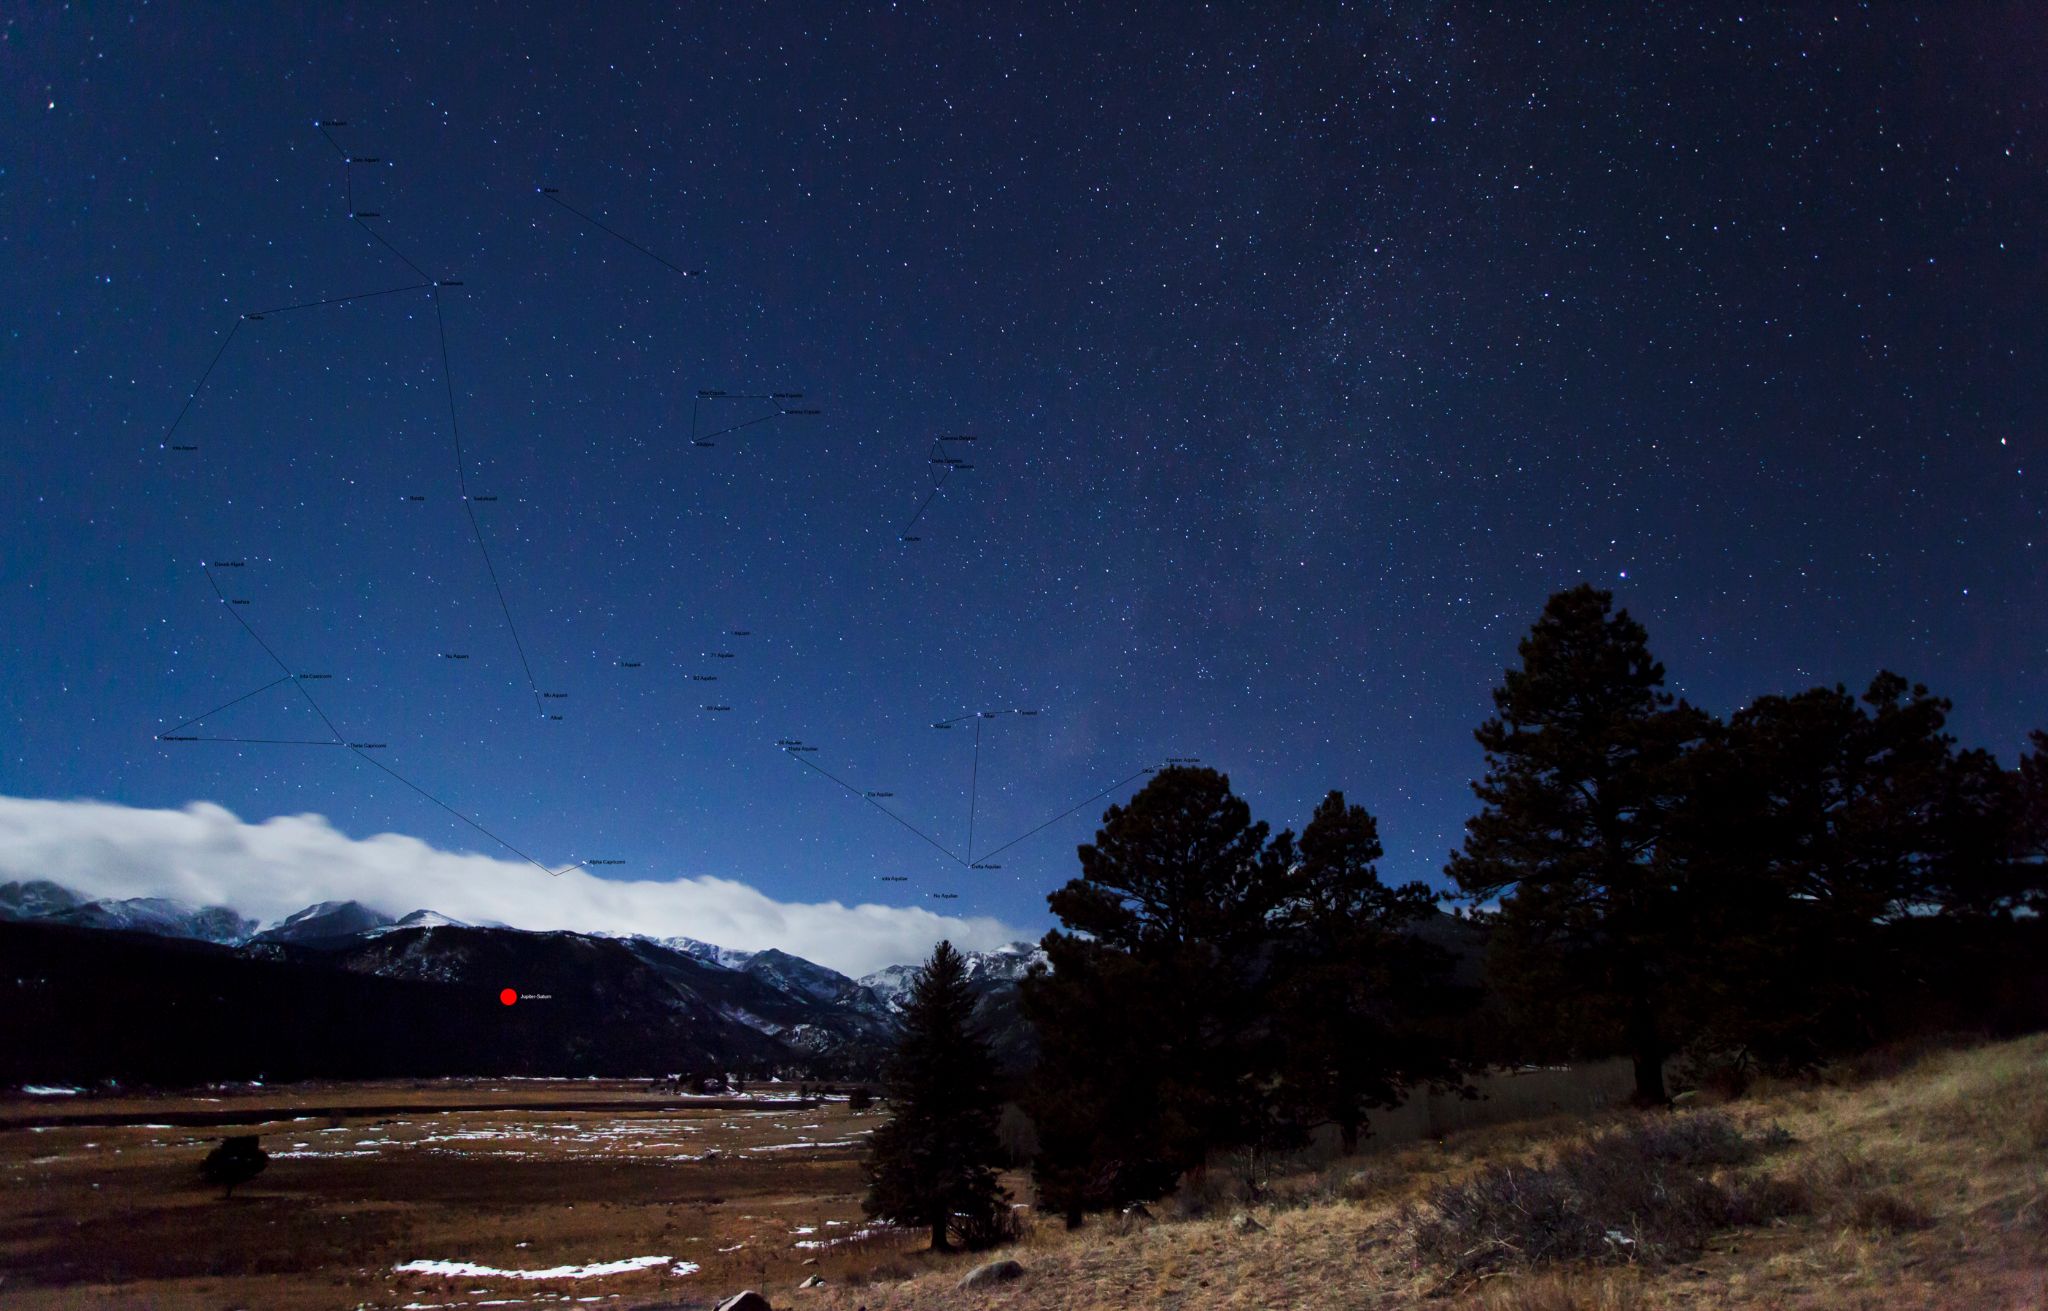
x=983, y=1229
x=236, y=1161
x=1884, y=1212
x=1637, y=1194
x=1853, y=1192
x=1721, y=1074
x=892, y=1271
x=1232, y=1182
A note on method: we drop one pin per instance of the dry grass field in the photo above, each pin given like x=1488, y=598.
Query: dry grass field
x=1924, y=1187
x=722, y=1193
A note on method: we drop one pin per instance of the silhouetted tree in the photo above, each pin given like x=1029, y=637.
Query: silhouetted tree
x=1834, y=827
x=934, y=1163
x=1150, y=1017
x=1096, y=1094
x=860, y=1099
x=1583, y=757
x=2030, y=825
x=1355, y=988
x=236, y=1161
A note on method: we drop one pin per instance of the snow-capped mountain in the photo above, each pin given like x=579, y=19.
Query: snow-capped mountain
x=985, y=969
x=795, y=975
x=674, y=999
x=419, y=919
x=326, y=919
x=34, y=899
x=728, y=957
x=39, y=899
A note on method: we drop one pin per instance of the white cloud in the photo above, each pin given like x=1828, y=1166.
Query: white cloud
x=207, y=855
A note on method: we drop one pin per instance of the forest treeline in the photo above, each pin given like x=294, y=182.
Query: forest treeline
x=1813, y=874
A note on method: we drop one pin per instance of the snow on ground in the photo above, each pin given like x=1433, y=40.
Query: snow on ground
x=790, y=1147
x=854, y=1237
x=596, y=1270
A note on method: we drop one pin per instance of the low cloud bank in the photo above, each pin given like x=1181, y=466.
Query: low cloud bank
x=206, y=855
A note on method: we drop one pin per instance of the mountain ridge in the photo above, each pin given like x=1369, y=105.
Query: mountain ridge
x=623, y=1002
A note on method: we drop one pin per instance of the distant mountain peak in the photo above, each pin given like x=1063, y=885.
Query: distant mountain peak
x=985, y=969
x=40, y=899
x=419, y=919
x=35, y=898
x=709, y=952
x=326, y=920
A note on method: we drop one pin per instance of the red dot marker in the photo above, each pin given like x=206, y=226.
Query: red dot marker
x=508, y=996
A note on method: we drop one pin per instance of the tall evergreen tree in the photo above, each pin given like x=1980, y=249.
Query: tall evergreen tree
x=1355, y=986
x=1583, y=760
x=1149, y=1019
x=2030, y=825
x=1097, y=1095
x=1838, y=826
x=934, y=1164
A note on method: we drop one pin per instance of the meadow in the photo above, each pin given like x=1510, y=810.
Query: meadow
x=1905, y=1180
x=631, y=1198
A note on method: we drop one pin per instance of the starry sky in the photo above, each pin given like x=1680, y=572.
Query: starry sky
x=1304, y=357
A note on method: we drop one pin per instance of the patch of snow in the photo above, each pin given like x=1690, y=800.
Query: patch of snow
x=596, y=1270
x=51, y=1090
x=790, y=1147
x=854, y=1237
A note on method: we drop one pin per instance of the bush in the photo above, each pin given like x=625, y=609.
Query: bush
x=1719, y=1074
x=1234, y=1181
x=892, y=1271
x=236, y=1161
x=1637, y=1194
x=1884, y=1212
x=1889, y=1060
x=980, y=1230
x=1854, y=1192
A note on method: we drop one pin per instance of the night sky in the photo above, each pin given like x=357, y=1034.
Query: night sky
x=1305, y=357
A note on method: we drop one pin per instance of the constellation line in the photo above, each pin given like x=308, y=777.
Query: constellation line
x=217, y=709
x=549, y=193
x=878, y=806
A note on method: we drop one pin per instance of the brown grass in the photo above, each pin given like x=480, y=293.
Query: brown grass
x=1922, y=1187
x=1921, y=1182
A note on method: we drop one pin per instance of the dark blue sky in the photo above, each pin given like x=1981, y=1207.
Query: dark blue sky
x=1305, y=356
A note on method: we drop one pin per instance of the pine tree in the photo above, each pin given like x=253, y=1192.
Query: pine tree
x=1837, y=828
x=1150, y=1021
x=2030, y=826
x=1583, y=757
x=1098, y=1094
x=1355, y=986
x=934, y=1164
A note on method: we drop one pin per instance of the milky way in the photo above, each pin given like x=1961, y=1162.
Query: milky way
x=1302, y=359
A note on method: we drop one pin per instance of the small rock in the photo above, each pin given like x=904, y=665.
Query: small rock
x=812, y=1282
x=995, y=1272
x=747, y=1301
x=1243, y=1223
